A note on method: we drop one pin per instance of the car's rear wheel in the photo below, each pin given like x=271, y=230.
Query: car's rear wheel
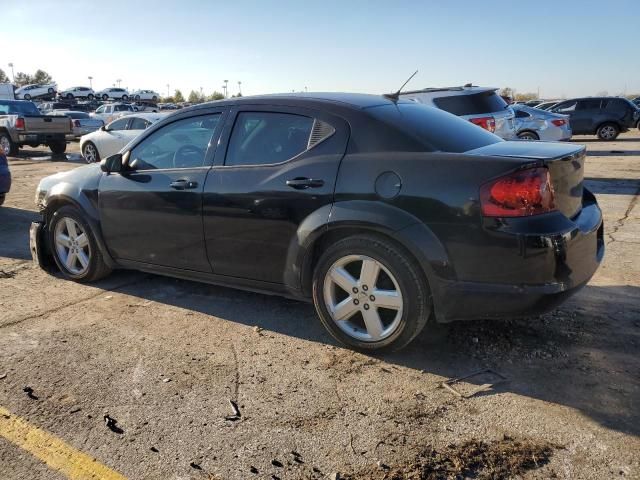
x=74, y=247
x=137, y=98
x=370, y=294
x=528, y=135
x=608, y=131
x=50, y=90
x=70, y=96
x=27, y=96
x=105, y=97
x=125, y=98
x=7, y=144
x=90, y=153
x=90, y=96
x=154, y=98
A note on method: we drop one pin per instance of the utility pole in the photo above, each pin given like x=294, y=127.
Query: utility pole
x=239, y=88
x=90, y=82
x=13, y=76
x=226, y=89
x=118, y=80
x=168, y=90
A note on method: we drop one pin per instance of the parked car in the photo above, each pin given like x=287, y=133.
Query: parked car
x=30, y=92
x=82, y=122
x=169, y=106
x=110, y=112
x=145, y=95
x=5, y=175
x=605, y=117
x=547, y=104
x=536, y=124
x=21, y=123
x=77, y=92
x=113, y=94
x=6, y=91
x=382, y=211
x=110, y=139
x=482, y=106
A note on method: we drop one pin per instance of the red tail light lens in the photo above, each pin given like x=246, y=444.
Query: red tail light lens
x=559, y=122
x=76, y=123
x=520, y=194
x=19, y=123
x=488, y=123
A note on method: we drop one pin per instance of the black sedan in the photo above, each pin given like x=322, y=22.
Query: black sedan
x=5, y=174
x=384, y=212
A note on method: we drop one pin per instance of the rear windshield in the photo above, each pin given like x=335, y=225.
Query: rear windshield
x=435, y=129
x=18, y=108
x=475, y=104
x=77, y=115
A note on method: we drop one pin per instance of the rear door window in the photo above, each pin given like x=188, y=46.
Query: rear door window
x=522, y=114
x=589, y=104
x=120, y=124
x=569, y=106
x=474, y=104
x=265, y=138
x=138, y=124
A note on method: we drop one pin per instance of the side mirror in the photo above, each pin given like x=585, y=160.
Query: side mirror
x=112, y=164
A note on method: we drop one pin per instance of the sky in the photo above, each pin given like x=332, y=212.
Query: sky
x=559, y=48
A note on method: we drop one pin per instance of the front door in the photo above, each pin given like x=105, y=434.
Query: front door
x=280, y=166
x=152, y=211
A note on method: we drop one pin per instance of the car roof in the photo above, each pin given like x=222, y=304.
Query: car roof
x=352, y=100
x=457, y=90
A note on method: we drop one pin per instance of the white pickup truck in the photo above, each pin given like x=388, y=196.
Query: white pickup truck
x=21, y=123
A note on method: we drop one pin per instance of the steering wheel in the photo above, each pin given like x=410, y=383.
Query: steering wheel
x=180, y=158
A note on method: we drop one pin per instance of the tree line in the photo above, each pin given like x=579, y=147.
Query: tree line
x=22, y=79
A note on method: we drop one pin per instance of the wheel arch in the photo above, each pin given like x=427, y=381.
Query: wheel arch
x=528, y=130
x=343, y=219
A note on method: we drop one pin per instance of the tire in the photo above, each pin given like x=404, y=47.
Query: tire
x=105, y=97
x=7, y=144
x=154, y=99
x=69, y=96
x=51, y=91
x=528, y=135
x=90, y=152
x=58, y=148
x=137, y=98
x=2, y=197
x=92, y=266
x=26, y=96
x=608, y=131
x=395, y=326
x=125, y=98
x=90, y=96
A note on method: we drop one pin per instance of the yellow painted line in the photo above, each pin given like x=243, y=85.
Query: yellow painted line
x=48, y=448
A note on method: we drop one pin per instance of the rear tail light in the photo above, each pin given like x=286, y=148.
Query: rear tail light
x=76, y=123
x=488, y=123
x=519, y=194
x=560, y=122
x=19, y=123
x=71, y=123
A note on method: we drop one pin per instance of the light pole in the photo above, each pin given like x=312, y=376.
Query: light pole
x=90, y=82
x=167, y=89
x=118, y=80
x=226, y=90
x=13, y=76
x=239, y=88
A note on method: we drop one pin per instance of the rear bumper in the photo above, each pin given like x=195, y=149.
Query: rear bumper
x=40, y=138
x=561, y=262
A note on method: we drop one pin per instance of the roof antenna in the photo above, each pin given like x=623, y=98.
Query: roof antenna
x=396, y=96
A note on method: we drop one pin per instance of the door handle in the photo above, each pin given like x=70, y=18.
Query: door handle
x=300, y=183
x=183, y=184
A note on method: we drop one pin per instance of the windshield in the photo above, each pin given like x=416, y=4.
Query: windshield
x=18, y=108
x=435, y=129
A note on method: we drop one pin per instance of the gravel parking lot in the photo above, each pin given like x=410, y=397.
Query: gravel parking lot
x=165, y=358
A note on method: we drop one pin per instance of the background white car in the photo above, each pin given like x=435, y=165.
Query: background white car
x=29, y=92
x=77, y=92
x=108, y=113
x=145, y=95
x=110, y=139
x=113, y=93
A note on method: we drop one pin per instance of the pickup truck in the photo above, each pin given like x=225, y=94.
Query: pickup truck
x=21, y=123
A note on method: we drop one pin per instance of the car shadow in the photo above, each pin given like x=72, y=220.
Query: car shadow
x=612, y=186
x=613, y=153
x=597, y=140
x=583, y=355
x=46, y=155
x=14, y=232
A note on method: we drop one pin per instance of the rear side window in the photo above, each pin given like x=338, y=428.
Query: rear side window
x=522, y=114
x=264, y=138
x=589, y=104
x=120, y=124
x=616, y=104
x=569, y=106
x=433, y=128
x=77, y=115
x=475, y=104
x=138, y=124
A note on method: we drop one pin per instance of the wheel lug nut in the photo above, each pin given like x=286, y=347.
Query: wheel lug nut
x=372, y=298
x=365, y=288
x=356, y=301
x=355, y=290
x=366, y=306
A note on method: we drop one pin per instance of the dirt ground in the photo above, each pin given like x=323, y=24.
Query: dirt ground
x=165, y=357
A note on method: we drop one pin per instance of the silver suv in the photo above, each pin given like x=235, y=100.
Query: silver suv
x=480, y=105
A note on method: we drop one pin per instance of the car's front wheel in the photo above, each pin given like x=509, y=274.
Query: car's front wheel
x=74, y=247
x=27, y=96
x=7, y=144
x=105, y=97
x=90, y=153
x=608, y=131
x=90, y=96
x=370, y=294
x=125, y=98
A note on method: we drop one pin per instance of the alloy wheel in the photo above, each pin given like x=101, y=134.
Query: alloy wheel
x=90, y=153
x=5, y=144
x=72, y=246
x=363, y=298
x=607, y=132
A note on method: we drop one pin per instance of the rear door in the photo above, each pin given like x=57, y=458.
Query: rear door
x=569, y=108
x=588, y=115
x=277, y=166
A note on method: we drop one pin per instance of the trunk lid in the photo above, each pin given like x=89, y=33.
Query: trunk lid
x=564, y=161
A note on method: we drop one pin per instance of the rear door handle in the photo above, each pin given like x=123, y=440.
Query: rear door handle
x=183, y=185
x=300, y=183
